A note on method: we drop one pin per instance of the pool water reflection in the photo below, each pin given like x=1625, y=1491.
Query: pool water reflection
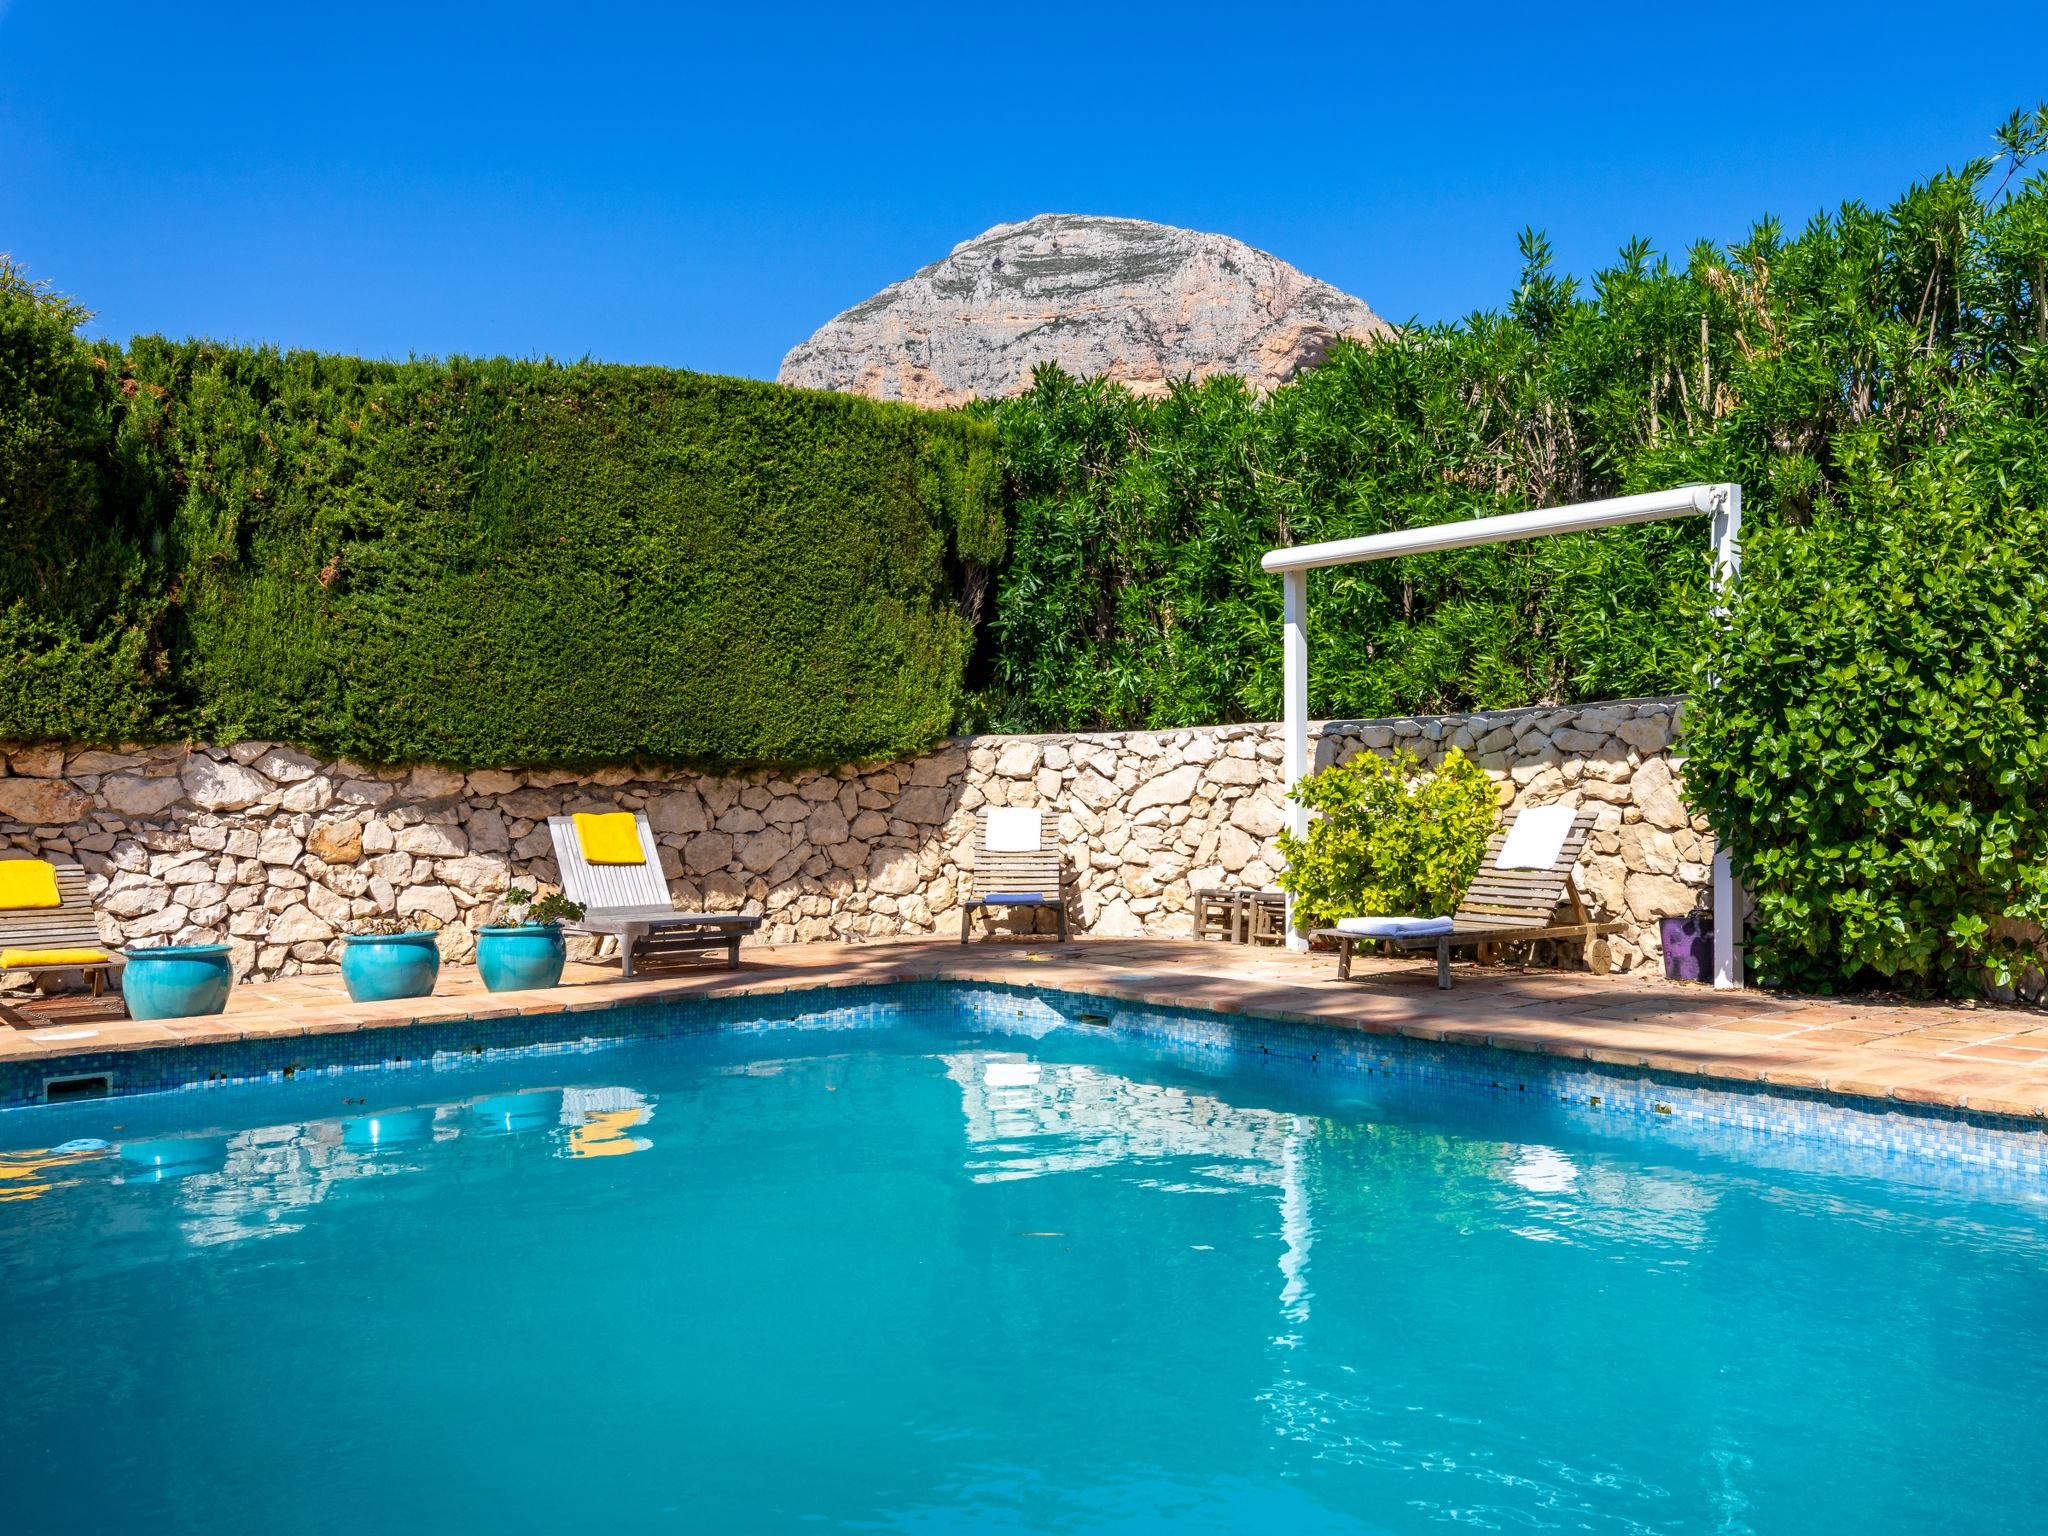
x=932, y=1275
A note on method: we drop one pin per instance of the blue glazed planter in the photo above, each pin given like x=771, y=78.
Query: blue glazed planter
x=520, y=959
x=176, y=981
x=379, y=966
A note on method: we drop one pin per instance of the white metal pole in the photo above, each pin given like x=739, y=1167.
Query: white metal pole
x=1729, y=899
x=1294, y=712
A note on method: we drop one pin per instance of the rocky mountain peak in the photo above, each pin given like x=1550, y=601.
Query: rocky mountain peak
x=1139, y=302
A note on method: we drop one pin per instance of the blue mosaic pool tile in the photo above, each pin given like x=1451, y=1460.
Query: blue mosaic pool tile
x=1740, y=1119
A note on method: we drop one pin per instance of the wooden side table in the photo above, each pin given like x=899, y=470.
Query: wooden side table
x=1265, y=917
x=1219, y=915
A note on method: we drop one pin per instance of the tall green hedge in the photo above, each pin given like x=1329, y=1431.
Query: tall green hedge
x=500, y=562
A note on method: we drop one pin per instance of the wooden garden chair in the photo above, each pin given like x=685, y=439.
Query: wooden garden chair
x=1016, y=864
x=1508, y=901
x=47, y=925
x=612, y=867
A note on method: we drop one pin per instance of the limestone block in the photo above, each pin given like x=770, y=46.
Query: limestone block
x=1654, y=896
x=298, y=924
x=938, y=769
x=338, y=842
x=493, y=781
x=1235, y=848
x=1094, y=791
x=760, y=851
x=1259, y=814
x=1647, y=733
x=277, y=846
x=309, y=795
x=434, y=839
x=1582, y=742
x=475, y=874
x=707, y=852
x=363, y=792
x=328, y=906
x=1018, y=759
x=434, y=900
x=894, y=872
x=41, y=802
x=133, y=795
x=283, y=765
x=428, y=782
x=218, y=786
x=826, y=826
x=925, y=806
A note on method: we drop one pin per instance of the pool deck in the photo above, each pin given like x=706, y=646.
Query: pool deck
x=1988, y=1060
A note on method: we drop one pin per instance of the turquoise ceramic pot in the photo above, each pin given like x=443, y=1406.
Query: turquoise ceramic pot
x=176, y=981
x=379, y=966
x=520, y=959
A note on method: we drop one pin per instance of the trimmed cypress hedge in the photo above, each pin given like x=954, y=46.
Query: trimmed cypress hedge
x=481, y=563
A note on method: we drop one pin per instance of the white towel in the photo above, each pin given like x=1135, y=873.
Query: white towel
x=1012, y=829
x=1393, y=927
x=1535, y=838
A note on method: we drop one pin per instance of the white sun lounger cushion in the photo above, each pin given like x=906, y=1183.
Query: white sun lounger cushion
x=1012, y=829
x=1393, y=927
x=1535, y=839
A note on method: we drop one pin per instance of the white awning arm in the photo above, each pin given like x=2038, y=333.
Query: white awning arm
x=1649, y=507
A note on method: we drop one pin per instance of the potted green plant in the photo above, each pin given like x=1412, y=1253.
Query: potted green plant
x=525, y=949
x=384, y=958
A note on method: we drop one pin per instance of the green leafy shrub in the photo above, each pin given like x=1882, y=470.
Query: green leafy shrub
x=1388, y=837
x=1869, y=732
x=1132, y=595
x=521, y=908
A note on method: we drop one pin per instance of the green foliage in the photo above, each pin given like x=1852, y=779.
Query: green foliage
x=1132, y=594
x=1875, y=753
x=80, y=595
x=1388, y=837
x=501, y=562
x=520, y=908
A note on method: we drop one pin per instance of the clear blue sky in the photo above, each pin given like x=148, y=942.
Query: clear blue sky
x=704, y=188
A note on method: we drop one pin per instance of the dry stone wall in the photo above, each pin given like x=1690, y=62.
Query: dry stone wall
x=277, y=853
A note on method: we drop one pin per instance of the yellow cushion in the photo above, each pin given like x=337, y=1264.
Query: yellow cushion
x=41, y=959
x=613, y=838
x=26, y=883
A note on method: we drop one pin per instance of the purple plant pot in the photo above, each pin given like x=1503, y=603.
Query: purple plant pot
x=1688, y=948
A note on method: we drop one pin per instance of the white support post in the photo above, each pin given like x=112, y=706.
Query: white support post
x=1294, y=712
x=1729, y=899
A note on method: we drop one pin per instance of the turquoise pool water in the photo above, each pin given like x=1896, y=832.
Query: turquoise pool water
x=927, y=1273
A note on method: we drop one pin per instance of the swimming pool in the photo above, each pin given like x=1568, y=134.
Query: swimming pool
x=931, y=1258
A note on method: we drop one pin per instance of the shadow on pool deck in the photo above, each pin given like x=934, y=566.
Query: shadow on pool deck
x=1990, y=1060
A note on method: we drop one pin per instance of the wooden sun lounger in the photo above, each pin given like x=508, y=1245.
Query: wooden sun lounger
x=1016, y=879
x=1503, y=906
x=68, y=925
x=632, y=903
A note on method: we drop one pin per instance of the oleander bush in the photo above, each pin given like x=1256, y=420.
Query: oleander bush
x=1387, y=836
x=1790, y=362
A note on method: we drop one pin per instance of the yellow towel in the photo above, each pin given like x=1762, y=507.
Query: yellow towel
x=48, y=959
x=613, y=838
x=26, y=883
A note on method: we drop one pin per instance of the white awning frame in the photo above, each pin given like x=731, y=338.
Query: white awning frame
x=1723, y=503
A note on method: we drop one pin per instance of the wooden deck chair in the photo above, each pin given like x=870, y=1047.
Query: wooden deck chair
x=1016, y=864
x=47, y=925
x=1508, y=901
x=611, y=865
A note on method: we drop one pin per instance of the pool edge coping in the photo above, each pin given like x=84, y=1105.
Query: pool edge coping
x=584, y=997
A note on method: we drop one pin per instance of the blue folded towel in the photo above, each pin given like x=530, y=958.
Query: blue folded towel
x=1393, y=927
x=1014, y=898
